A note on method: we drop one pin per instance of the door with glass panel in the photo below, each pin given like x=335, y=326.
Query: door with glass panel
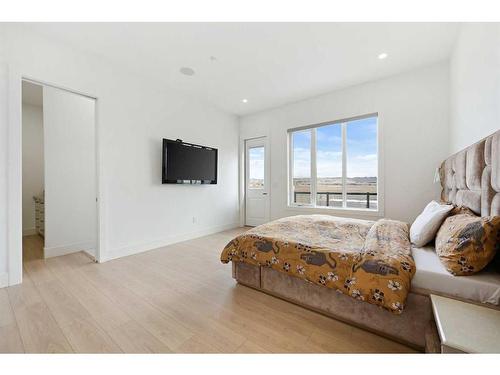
x=256, y=182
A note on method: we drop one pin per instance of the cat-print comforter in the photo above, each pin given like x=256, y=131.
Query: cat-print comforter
x=369, y=261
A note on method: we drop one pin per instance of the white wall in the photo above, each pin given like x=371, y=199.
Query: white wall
x=70, y=172
x=32, y=163
x=134, y=114
x=475, y=84
x=413, y=122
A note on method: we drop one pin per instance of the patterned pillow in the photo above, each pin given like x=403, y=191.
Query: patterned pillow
x=466, y=243
x=461, y=210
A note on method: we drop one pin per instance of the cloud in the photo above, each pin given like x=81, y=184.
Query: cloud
x=362, y=168
x=367, y=157
x=257, y=169
x=256, y=163
x=301, y=162
x=329, y=164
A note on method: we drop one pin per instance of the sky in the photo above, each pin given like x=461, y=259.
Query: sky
x=361, y=150
x=256, y=160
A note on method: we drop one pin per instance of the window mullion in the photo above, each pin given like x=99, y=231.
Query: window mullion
x=313, y=167
x=344, y=165
x=291, y=188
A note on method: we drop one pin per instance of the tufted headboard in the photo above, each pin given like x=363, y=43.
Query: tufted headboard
x=471, y=177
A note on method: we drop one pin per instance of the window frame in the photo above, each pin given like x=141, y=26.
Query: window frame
x=312, y=206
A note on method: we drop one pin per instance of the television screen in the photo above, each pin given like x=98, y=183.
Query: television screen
x=188, y=163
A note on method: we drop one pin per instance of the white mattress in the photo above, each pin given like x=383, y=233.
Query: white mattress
x=431, y=275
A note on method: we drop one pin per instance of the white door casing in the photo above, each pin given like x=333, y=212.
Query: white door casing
x=14, y=173
x=257, y=189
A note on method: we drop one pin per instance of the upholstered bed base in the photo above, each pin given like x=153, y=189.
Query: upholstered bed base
x=410, y=328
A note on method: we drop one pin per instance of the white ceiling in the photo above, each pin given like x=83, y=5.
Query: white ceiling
x=32, y=94
x=269, y=64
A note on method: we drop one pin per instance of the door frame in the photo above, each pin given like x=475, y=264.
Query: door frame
x=14, y=172
x=267, y=174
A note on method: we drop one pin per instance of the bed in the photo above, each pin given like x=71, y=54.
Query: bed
x=431, y=276
x=308, y=260
x=368, y=261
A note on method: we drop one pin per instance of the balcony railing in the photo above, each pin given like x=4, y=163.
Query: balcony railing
x=367, y=195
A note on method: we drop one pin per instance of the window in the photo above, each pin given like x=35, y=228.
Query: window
x=335, y=164
x=256, y=167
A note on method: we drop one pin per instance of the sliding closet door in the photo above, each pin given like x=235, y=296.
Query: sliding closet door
x=6, y=217
x=70, y=172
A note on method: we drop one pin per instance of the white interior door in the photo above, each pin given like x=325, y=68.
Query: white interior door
x=256, y=181
x=70, y=172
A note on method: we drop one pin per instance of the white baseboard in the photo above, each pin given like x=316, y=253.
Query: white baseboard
x=146, y=246
x=29, y=231
x=4, y=279
x=56, y=251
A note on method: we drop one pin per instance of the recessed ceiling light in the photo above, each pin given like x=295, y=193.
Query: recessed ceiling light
x=186, y=71
x=382, y=56
x=244, y=100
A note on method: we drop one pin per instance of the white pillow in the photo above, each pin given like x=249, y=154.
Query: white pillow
x=424, y=228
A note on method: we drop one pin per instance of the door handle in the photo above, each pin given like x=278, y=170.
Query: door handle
x=264, y=193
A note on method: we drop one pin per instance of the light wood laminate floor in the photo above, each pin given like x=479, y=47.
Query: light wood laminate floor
x=176, y=299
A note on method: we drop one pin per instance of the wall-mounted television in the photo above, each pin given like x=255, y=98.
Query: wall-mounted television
x=187, y=163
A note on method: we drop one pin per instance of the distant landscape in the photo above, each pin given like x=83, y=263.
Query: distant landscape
x=330, y=184
x=302, y=186
x=334, y=185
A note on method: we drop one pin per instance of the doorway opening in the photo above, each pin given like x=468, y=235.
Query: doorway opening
x=59, y=179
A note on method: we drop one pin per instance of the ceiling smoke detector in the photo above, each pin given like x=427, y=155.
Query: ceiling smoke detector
x=187, y=71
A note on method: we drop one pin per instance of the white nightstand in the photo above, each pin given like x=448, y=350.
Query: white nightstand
x=466, y=327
